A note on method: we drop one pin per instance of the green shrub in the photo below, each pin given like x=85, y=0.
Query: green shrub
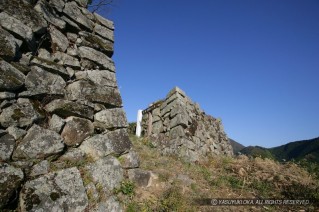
x=127, y=188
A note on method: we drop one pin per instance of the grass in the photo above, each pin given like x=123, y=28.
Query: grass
x=219, y=177
x=127, y=188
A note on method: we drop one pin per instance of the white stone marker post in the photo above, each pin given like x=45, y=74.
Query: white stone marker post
x=138, y=123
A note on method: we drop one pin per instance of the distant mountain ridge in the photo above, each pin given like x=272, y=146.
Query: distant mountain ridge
x=297, y=150
x=236, y=146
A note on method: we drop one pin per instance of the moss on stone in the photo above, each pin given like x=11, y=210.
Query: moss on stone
x=17, y=114
x=48, y=62
x=54, y=196
x=95, y=40
x=23, y=68
x=5, y=51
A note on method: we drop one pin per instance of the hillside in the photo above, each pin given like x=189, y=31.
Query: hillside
x=236, y=146
x=180, y=186
x=298, y=150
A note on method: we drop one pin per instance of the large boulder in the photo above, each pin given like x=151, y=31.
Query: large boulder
x=10, y=181
x=39, y=143
x=57, y=191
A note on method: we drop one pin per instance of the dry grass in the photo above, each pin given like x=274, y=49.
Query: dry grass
x=178, y=184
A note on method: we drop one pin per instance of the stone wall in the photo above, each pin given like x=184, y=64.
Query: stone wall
x=63, y=131
x=177, y=126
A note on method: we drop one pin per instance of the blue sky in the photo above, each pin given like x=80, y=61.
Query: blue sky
x=252, y=63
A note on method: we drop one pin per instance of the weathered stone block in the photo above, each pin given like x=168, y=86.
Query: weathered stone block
x=41, y=82
x=99, y=77
x=7, y=95
x=56, y=123
x=21, y=114
x=130, y=160
x=25, y=13
x=177, y=132
x=97, y=57
x=107, y=172
x=140, y=177
x=84, y=90
x=58, y=191
x=105, y=22
x=50, y=66
x=67, y=60
x=11, y=78
x=104, y=32
x=44, y=8
x=58, y=39
x=38, y=143
x=40, y=169
x=72, y=10
x=76, y=130
x=97, y=42
x=115, y=142
x=8, y=45
x=112, y=118
x=180, y=119
x=65, y=108
x=10, y=181
x=7, y=144
x=17, y=133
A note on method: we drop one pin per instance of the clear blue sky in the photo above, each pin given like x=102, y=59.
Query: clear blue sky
x=253, y=63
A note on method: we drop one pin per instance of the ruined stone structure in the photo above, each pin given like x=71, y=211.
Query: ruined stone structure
x=177, y=126
x=63, y=133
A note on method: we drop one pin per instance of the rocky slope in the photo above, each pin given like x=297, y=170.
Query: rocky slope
x=63, y=132
x=177, y=126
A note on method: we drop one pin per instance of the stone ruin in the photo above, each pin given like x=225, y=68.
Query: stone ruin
x=177, y=126
x=64, y=144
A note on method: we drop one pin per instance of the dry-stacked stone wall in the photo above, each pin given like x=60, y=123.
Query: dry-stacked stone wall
x=64, y=144
x=177, y=126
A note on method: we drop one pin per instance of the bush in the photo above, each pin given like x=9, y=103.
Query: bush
x=127, y=188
